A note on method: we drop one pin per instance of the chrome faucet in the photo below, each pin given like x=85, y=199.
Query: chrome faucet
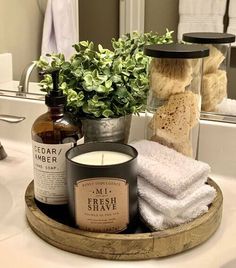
x=9, y=119
x=23, y=86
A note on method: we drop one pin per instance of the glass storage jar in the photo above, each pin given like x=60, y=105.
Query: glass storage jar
x=174, y=100
x=214, y=83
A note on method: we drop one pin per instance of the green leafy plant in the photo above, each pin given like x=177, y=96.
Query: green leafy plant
x=101, y=83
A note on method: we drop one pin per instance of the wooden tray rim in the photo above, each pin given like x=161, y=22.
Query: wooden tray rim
x=32, y=209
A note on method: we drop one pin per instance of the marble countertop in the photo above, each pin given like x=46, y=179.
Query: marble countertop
x=21, y=247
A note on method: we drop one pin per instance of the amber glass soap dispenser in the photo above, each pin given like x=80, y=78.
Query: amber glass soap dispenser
x=53, y=133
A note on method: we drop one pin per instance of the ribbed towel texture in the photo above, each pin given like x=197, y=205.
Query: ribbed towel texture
x=173, y=207
x=232, y=19
x=171, y=186
x=158, y=221
x=201, y=16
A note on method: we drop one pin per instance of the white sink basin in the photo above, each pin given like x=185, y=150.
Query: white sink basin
x=7, y=199
x=30, y=109
x=15, y=175
x=217, y=147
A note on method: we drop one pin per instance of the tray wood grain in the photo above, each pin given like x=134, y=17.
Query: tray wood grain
x=125, y=246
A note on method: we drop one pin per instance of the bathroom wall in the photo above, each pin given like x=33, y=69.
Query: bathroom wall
x=160, y=15
x=21, y=31
x=99, y=21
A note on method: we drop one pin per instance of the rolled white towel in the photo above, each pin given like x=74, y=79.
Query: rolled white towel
x=158, y=221
x=171, y=172
x=171, y=207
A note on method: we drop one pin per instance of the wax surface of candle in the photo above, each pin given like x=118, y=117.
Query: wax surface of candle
x=100, y=158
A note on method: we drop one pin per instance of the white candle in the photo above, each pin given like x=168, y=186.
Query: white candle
x=100, y=158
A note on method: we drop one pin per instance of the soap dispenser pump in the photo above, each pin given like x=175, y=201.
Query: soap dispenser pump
x=53, y=133
x=55, y=97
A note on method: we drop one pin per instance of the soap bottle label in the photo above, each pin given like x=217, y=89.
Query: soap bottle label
x=50, y=172
x=102, y=204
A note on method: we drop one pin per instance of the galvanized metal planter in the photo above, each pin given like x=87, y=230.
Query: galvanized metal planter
x=107, y=129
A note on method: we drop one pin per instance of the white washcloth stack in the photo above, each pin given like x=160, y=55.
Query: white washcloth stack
x=172, y=188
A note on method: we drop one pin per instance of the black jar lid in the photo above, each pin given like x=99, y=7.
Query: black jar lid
x=208, y=38
x=181, y=51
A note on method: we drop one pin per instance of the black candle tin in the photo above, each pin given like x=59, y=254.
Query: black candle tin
x=103, y=198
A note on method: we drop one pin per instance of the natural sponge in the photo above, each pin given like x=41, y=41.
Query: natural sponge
x=214, y=89
x=172, y=122
x=184, y=147
x=178, y=115
x=213, y=62
x=169, y=76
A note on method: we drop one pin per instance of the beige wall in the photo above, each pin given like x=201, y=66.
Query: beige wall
x=21, y=24
x=99, y=21
x=161, y=14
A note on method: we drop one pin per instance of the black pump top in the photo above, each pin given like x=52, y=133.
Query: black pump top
x=55, y=97
x=208, y=38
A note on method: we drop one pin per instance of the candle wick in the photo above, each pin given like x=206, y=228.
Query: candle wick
x=102, y=159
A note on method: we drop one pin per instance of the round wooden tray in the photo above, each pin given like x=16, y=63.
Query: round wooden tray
x=125, y=246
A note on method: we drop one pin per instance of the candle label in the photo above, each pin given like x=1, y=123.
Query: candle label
x=102, y=204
